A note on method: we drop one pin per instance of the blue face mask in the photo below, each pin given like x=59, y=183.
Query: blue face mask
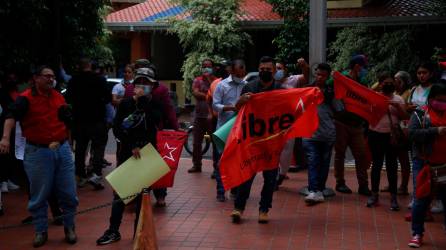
x=280, y=74
x=208, y=71
x=147, y=89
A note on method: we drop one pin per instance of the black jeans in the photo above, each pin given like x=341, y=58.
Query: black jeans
x=266, y=197
x=84, y=133
x=118, y=207
x=380, y=146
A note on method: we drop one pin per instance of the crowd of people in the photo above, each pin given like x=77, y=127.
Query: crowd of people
x=48, y=134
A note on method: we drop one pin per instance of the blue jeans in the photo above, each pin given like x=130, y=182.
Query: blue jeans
x=417, y=165
x=318, y=161
x=420, y=208
x=50, y=170
x=220, y=188
x=266, y=197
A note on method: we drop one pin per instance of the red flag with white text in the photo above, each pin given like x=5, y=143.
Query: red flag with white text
x=359, y=99
x=262, y=127
x=169, y=146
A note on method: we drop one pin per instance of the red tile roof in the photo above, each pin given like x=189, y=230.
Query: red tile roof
x=255, y=11
x=251, y=10
x=392, y=8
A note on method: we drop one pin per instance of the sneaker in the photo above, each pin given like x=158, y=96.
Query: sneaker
x=221, y=197
x=263, y=217
x=410, y=205
x=437, y=207
x=12, y=185
x=364, y=191
x=109, y=236
x=373, y=200
x=4, y=187
x=194, y=169
x=70, y=235
x=96, y=181
x=416, y=241
x=236, y=216
x=81, y=182
x=342, y=188
x=314, y=197
x=28, y=220
x=328, y=192
x=160, y=202
x=40, y=239
x=280, y=179
x=394, y=204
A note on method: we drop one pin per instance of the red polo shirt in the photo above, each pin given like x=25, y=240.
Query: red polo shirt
x=39, y=116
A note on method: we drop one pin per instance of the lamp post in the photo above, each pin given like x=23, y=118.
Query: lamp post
x=318, y=33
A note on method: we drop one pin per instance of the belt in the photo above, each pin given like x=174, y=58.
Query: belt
x=52, y=145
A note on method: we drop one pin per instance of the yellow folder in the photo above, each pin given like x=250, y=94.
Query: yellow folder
x=135, y=174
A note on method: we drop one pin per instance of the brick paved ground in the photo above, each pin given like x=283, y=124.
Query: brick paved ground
x=194, y=220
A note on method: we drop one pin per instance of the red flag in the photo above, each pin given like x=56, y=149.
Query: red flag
x=261, y=129
x=169, y=145
x=360, y=100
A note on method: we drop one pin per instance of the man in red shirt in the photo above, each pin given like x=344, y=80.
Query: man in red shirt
x=202, y=124
x=48, y=163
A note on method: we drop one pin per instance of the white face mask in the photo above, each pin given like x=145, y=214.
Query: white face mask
x=236, y=79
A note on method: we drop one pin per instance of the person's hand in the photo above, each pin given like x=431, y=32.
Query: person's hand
x=244, y=98
x=411, y=108
x=442, y=130
x=4, y=146
x=136, y=153
x=139, y=92
x=301, y=63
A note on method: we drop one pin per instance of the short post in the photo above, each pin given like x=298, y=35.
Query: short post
x=145, y=238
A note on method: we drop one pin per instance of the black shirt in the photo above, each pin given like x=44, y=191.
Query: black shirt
x=256, y=86
x=88, y=94
x=136, y=126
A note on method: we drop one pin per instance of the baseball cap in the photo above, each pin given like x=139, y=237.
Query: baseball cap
x=358, y=59
x=147, y=73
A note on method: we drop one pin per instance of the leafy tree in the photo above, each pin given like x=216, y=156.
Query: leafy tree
x=292, y=41
x=34, y=32
x=391, y=50
x=212, y=32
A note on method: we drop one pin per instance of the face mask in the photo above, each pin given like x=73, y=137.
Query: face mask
x=438, y=105
x=388, y=88
x=207, y=71
x=266, y=76
x=236, y=79
x=280, y=74
x=147, y=89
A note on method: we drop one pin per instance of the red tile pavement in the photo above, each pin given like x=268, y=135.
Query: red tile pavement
x=193, y=219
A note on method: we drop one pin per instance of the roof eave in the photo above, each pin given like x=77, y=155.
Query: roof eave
x=385, y=21
x=154, y=26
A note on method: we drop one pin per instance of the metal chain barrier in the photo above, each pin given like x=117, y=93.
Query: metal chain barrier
x=87, y=210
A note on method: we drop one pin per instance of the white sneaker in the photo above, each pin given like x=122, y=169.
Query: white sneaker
x=12, y=185
x=410, y=205
x=314, y=197
x=4, y=187
x=437, y=207
x=96, y=181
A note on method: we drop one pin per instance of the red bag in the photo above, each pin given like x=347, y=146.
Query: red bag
x=169, y=145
